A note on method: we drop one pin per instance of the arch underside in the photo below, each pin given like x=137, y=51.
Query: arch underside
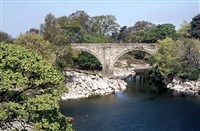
x=126, y=51
x=92, y=53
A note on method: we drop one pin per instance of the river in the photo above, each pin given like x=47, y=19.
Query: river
x=140, y=108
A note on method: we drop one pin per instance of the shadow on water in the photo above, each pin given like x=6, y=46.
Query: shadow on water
x=144, y=85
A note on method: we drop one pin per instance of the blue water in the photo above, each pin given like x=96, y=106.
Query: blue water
x=140, y=108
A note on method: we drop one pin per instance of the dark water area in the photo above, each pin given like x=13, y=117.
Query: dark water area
x=140, y=108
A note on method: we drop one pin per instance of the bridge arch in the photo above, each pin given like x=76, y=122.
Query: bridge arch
x=126, y=51
x=92, y=53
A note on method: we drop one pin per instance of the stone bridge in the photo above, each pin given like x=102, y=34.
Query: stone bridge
x=108, y=53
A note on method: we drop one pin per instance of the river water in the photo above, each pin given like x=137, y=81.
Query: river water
x=140, y=108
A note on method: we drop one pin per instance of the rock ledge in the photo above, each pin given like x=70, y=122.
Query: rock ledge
x=187, y=87
x=82, y=85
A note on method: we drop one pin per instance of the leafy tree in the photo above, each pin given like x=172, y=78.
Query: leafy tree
x=4, y=36
x=142, y=26
x=81, y=18
x=62, y=50
x=104, y=24
x=64, y=56
x=195, y=27
x=178, y=58
x=72, y=29
x=189, y=59
x=50, y=28
x=75, y=26
x=136, y=37
x=184, y=30
x=122, y=34
x=159, y=32
x=59, y=52
x=166, y=57
x=79, y=27
x=36, y=43
x=30, y=90
x=135, y=33
x=33, y=30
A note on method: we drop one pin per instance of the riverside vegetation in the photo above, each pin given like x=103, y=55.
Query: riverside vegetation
x=32, y=66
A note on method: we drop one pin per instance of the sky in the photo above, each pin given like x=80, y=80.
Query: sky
x=18, y=16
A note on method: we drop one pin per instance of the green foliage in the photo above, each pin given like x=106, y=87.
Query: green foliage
x=65, y=57
x=104, y=24
x=159, y=32
x=178, y=58
x=136, y=37
x=36, y=43
x=195, y=27
x=5, y=37
x=134, y=33
x=72, y=28
x=30, y=89
x=81, y=18
x=33, y=30
x=184, y=30
x=142, y=26
x=59, y=52
x=50, y=28
x=189, y=60
x=122, y=34
x=87, y=61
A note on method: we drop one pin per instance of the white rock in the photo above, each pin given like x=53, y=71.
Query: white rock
x=84, y=86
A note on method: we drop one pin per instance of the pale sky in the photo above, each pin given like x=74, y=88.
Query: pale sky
x=18, y=16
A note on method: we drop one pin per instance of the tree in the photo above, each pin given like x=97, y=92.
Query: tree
x=81, y=18
x=36, y=43
x=142, y=26
x=75, y=26
x=59, y=52
x=195, y=26
x=104, y=24
x=189, y=59
x=184, y=30
x=178, y=58
x=71, y=29
x=33, y=30
x=50, y=28
x=63, y=56
x=4, y=36
x=159, y=32
x=122, y=34
x=30, y=90
x=62, y=50
x=135, y=33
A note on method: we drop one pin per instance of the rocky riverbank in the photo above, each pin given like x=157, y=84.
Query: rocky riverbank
x=123, y=72
x=187, y=87
x=82, y=85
